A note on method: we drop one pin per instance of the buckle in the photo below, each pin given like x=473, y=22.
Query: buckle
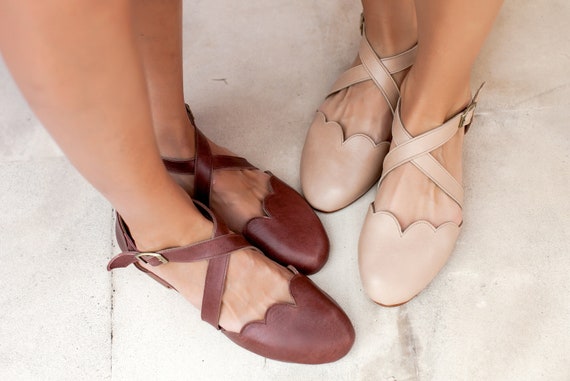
x=467, y=110
x=158, y=256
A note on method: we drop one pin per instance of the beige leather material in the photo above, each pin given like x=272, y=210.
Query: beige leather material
x=417, y=151
x=336, y=171
x=377, y=69
x=396, y=265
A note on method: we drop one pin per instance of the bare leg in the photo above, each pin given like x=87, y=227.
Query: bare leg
x=236, y=195
x=391, y=26
x=391, y=29
x=158, y=25
x=83, y=77
x=450, y=36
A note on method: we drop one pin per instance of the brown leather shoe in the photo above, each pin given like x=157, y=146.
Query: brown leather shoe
x=290, y=232
x=313, y=330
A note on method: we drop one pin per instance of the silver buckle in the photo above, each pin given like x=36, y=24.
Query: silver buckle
x=153, y=255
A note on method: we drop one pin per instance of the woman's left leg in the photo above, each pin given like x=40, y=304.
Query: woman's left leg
x=236, y=195
x=288, y=230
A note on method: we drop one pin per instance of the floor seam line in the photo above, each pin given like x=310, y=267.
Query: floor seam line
x=112, y=301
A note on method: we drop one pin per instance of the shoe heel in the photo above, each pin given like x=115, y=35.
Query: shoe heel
x=154, y=276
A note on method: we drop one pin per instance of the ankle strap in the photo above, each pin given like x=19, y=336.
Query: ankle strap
x=203, y=164
x=216, y=251
x=416, y=150
x=379, y=70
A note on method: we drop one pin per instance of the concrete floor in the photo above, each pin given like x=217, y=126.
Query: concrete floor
x=500, y=309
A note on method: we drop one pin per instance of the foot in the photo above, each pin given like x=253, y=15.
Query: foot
x=237, y=195
x=362, y=109
x=256, y=204
x=349, y=137
x=253, y=283
x=406, y=192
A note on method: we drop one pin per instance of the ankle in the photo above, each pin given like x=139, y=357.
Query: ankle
x=172, y=226
x=174, y=234
x=387, y=42
x=175, y=137
x=426, y=106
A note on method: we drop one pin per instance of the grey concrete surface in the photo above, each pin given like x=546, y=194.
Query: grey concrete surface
x=254, y=74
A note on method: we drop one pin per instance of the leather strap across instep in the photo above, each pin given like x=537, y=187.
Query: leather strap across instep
x=216, y=250
x=379, y=70
x=204, y=164
x=417, y=150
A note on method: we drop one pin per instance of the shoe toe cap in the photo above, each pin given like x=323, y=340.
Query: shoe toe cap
x=291, y=233
x=327, y=194
x=313, y=331
x=335, y=171
x=397, y=265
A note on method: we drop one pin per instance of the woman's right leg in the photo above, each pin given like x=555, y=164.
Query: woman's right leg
x=83, y=77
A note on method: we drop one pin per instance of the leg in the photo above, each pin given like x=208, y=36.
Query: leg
x=390, y=25
x=236, y=195
x=89, y=90
x=400, y=249
x=436, y=88
x=158, y=25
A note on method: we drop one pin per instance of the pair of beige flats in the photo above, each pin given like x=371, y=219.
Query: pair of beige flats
x=395, y=265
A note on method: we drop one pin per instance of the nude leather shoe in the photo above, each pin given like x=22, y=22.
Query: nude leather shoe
x=335, y=170
x=397, y=265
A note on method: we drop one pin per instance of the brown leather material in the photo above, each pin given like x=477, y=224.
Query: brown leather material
x=284, y=234
x=154, y=276
x=313, y=330
x=214, y=290
x=217, y=250
x=198, y=252
x=290, y=232
x=203, y=170
x=218, y=162
x=312, y=313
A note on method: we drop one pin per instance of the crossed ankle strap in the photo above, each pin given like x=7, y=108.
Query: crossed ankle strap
x=216, y=251
x=379, y=70
x=416, y=150
x=203, y=164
